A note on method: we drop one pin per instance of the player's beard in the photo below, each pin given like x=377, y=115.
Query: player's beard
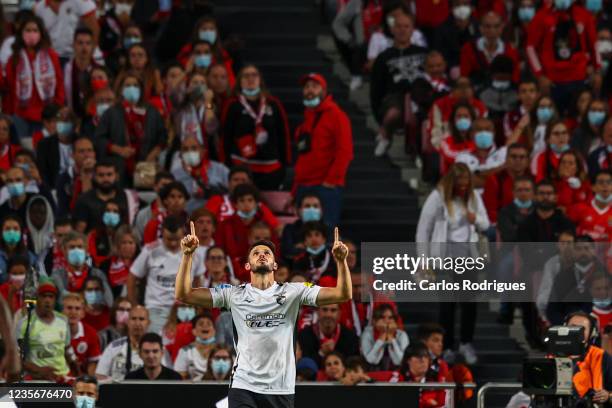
x=262, y=269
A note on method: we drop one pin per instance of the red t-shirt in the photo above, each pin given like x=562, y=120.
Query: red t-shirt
x=568, y=196
x=592, y=221
x=604, y=317
x=223, y=208
x=98, y=322
x=450, y=149
x=17, y=297
x=86, y=345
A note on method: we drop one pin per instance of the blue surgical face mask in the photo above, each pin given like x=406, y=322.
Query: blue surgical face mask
x=311, y=214
x=563, y=4
x=94, y=297
x=76, y=257
x=483, y=139
x=596, y=118
x=594, y=6
x=85, y=401
x=247, y=215
x=206, y=342
x=601, y=199
x=251, y=92
x=522, y=204
x=129, y=41
x=544, y=114
x=131, y=93
x=500, y=85
x=208, y=36
x=315, y=251
x=101, y=108
x=312, y=103
x=27, y=4
x=202, y=60
x=526, y=14
x=64, y=128
x=16, y=189
x=185, y=314
x=11, y=237
x=220, y=367
x=601, y=303
x=463, y=124
x=559, y=148
x=110, y=219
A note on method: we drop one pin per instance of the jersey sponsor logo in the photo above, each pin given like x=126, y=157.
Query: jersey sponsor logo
x=81, y=347
x=265, y=320
x=166, y=281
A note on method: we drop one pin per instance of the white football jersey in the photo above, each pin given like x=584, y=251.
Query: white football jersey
x=264, y=333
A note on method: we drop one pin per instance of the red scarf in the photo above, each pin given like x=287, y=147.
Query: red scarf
x=323, y=338
x=39, y=75
x=6, y=159
x=118, y=271
x=76, y=278
x=371, y=17
x=134, y=123
x=201, y=173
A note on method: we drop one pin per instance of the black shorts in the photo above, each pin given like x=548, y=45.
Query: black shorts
x=238, y=398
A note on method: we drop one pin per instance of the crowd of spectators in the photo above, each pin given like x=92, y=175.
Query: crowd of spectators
x=115, y=134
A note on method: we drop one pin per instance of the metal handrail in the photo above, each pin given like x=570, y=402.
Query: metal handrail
x=480, y=398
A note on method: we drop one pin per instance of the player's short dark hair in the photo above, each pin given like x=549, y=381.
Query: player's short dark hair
x=201, y=316
x=266, y=243
x=243, y=190
x=174, y=223
x=151, y=338
x=103, y=162
x=87, y=379
x=426, y=330
x=312, y=226
x=309, y=195
x=173, y=186
x=240, y=169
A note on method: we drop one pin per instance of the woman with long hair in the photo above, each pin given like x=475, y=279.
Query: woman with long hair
x=124, y=250
x=454, y=212
x=217, y=271
x=545, y=163
x=119, y=316
x=571, y=180
x=383, y=342
x=101, y=238
x=458, y=140
x=33, y=74
x=255, y=131
x=8, y=145
x=220, y=363
x=131, y=130
x=139, y=62
x=587, y=137
x=12, y=243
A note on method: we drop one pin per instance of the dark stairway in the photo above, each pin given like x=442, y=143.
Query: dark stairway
x=280, y=37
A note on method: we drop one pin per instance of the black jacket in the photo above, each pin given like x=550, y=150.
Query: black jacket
x=509, y=219
x=347, y=345
x=449, y=40
x=48, y=159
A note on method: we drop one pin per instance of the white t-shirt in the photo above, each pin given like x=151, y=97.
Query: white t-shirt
x=112, y=362
x=264, y=324
x=6, y=51
x=61, y=26
x=189, y=360
x=496, y=158
x=379, y=42
x=159, y=266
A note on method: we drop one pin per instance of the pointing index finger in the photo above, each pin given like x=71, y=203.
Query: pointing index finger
x=336, y=234
x=192, y=228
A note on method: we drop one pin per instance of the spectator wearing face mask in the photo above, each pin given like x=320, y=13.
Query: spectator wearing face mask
x=11, y=290
x=123, y=250
x=220, y=362
x=151, y=352
x=155, y=268
x=561, y=58
x=85, y=391
x=83, y=337
x=33, y=75
x=528, y=94
x=324, y=148
x=119, y=316
x=26, y=160
x=97, y=306
x=546, y=163
x=178, y=329
x=100, y=239
x=113, y=25
x=601, y=158
x=117, y=59
x=71, y=276
x=206, y=30
x=314, y=260
x=131, y=130
x=587, y=137
x=459, y=28
x=308, y=209
x=458, y=139
x=162, y=178
x=499, y=94
x=522, y=17
x=477, y=56
x=174, y=198
x=202, y=175
x=255, y=131
x=139, y=62
x=99, y=100
x=192, y=360
x=514, y=214
x=54, y=152
x=200, y=59
x=77, y=71
x=12, y=244
x=590, y=217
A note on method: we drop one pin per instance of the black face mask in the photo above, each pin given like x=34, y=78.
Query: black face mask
x=546, y=206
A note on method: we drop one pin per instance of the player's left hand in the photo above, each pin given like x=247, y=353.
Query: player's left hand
x=339, y=250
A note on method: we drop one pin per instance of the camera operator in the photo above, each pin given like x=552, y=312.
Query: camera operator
x=593, y=373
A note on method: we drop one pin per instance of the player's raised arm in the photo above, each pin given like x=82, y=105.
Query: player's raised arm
x=344, y=288
x=182, y=289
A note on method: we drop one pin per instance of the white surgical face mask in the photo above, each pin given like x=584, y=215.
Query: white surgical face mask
x=462, y=12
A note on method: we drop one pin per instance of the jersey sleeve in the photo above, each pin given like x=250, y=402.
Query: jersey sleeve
x=104, y=364
x=85, y=7
x=139, y=267
x=308, y=293
x=182, y=361
x=221, y=296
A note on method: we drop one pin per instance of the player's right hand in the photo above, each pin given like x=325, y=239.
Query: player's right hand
x=190, y=243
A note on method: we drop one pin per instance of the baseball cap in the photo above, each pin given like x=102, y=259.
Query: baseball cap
x=306, y=362
x=313, y=76
x=47, y=287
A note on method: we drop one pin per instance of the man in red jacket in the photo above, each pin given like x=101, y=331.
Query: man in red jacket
x=561, y=47
x=325, y=148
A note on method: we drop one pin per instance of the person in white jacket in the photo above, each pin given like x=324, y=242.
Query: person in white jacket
x=382, y=342
x=453, y=212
